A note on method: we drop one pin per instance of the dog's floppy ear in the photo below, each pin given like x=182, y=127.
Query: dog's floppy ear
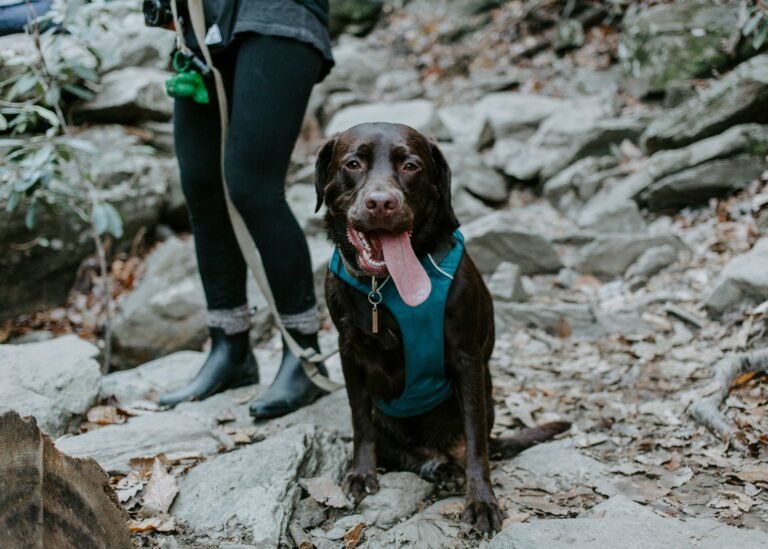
x=322, y=170
x=443, y=183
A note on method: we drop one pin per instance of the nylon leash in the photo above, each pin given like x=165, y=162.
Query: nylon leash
x=310, y=357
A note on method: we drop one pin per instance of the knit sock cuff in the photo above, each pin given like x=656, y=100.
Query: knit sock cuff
x=232, y=321
x=305, y=323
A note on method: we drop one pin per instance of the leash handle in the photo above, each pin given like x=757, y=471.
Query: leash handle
x=310, y=357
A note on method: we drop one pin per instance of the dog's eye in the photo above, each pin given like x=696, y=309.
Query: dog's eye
x=353, y=165
x=410, y=167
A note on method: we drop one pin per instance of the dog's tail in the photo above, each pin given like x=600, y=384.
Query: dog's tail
x=506, y=447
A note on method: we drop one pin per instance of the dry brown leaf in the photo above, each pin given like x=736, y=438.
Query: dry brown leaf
x=105, y=415
x=514, y=517
x=225, y=416
x=741, y=380
x=128, y=486
x=752, y=474
x=160, y=491
x=563, y=329
x=326, y=492
x=354, y=535
x=144, y=464
x=732, y=504
x=242, y=435
x=158, y=524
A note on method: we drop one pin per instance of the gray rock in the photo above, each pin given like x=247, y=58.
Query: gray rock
x=150, y=380
x=175, y=211
x=580, y=129
x=741, y=97
x=468, y=171
x=56, y=381
x=496, y=238
x=569, y=33
x=698, y=184
x=302, y=200
x=309, y=513
x=506, y=283
x=166, y=312
x=147, y=435
x=433, y=528
x=466, y=127
x=517, y=159
x=126, y=175
x=35, y=336
x=747, y=138
x=652, y=261
x=578, y=182
x=353, y=16
x=358, y=66
x=160, y=136
x=623, y=217
x=744, y=280
x=561, y=320
x=331, y=412
x=399, y=496
x=419, y=114
x=255, y=488
x=630, y=526
x=128, y=96
x=586, y=129
x=117, y=33
x=512, y=112
x=398, y=85
x=559, y=459
x=467, y=206
x=676, y=41
x=611, y=254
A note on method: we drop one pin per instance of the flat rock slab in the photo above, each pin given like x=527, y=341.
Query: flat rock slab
x=127, y=95
x=420, y=114
x=744, y=280
x=433, y=528
x=149, y=381
x=171, y=432
x=611, y=254
x=740, y=97
x=629, y=526
x=563, y=319
x=55, y=381
x=496, y=238
x=248, y=496
x=399, y=496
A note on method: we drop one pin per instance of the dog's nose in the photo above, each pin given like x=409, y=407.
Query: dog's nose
x=380, y=203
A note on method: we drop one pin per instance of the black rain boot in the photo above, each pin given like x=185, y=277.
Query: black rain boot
x=230, y=364
x=291, y=389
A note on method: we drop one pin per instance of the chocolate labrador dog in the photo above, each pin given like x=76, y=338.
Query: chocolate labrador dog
x=415, y=319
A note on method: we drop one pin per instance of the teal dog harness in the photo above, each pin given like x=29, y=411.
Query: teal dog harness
x=421, y=328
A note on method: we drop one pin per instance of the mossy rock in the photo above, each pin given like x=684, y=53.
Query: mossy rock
x=355, y=17
x=675, y=42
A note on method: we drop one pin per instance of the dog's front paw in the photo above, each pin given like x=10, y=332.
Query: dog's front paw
x=483, y=515
x=357, y=485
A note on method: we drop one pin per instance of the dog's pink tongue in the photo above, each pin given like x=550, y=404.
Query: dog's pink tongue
x=410, y=277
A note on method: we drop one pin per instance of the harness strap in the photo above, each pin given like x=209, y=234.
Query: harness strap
x=310, y=357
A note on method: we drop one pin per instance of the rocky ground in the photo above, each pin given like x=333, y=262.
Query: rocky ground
x=610, y=175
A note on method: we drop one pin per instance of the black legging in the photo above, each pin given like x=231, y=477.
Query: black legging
x=268, y=82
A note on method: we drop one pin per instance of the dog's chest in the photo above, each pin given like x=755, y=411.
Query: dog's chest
x=402, y=345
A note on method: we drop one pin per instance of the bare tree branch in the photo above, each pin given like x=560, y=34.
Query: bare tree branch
x=707, y=410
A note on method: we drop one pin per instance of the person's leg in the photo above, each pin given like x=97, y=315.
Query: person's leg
x=272, y=83
x=222, y=269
